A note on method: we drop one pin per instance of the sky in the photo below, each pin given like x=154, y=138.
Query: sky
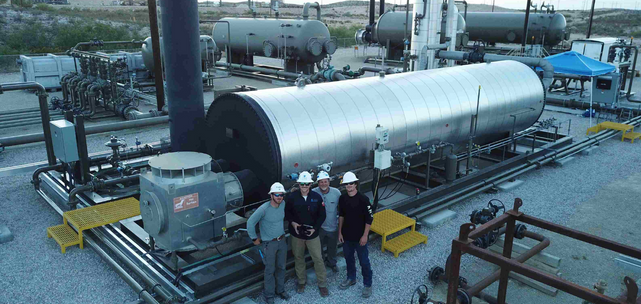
x=515, y=4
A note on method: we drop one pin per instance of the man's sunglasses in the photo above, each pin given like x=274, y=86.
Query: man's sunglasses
x=352, y=183
x=305, y=184
x=278, y=195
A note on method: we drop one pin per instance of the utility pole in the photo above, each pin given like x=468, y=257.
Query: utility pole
x=525, y=26
x=492, y=5
x=591, y=17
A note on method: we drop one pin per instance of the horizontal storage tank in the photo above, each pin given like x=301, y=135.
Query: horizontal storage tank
x=548, y=29
x=306, y=40
x=207, y=50
x=391, y=26
x=279, y=131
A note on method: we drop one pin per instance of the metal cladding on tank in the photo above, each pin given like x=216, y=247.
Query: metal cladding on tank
x=548, y=29
x=280, y=131
x=306, y=40
x=207, y=49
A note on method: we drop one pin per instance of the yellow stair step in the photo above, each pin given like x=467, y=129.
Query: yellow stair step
x=404, y=242
x=389, y=221
x=64, y=235
x=632, y=136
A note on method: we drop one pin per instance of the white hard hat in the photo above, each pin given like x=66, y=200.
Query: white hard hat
x=305, y=177
x=322, y=175
x=349, y=177
x=277, y=187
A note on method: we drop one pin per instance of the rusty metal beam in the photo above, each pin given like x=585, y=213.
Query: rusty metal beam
x=582, y=236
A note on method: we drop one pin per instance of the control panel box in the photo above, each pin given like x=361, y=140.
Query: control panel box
x=382, y=159
x=63, y=135
x=382, y=135
x=605, y=88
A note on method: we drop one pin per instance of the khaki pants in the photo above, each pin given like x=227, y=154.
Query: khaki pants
x=314, y=248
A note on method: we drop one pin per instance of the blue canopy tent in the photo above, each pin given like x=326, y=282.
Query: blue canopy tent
x=575, y=63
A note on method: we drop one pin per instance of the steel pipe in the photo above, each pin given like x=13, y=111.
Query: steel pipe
x=309, y=5
x=44, y=112
x=548, y=69
x=36, y=137
x=249, y=68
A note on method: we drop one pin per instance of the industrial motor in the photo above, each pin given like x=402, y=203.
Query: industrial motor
x=276, y=132
x=183, y=203
x=306, y=41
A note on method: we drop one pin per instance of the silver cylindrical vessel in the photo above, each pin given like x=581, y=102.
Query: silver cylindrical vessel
x=548, y=29
x=280, y=131
x=305, y=40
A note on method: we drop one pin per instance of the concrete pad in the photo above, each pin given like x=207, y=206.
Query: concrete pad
x=629, y=263
x=561, y=162
x=438, y=218
x=587, y=151
x=5, y=235
x=244, y=300
x=386, y=202
x=507, y=186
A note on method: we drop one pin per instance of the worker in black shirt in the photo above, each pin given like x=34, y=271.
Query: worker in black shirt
x=355, y=219
x=305, y=211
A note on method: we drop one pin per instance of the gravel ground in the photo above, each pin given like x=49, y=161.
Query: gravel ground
x=596, y=193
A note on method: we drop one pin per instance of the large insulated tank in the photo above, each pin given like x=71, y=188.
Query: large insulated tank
x=548, y=29
x=306, y=40
x=280, y=131
x=207, y=51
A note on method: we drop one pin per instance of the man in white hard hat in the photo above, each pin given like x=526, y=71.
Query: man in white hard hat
x=329, y=230
x=305, y=212
x=355, y=219
x=270, y=217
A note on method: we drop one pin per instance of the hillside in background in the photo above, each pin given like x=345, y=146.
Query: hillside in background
x=46, y=28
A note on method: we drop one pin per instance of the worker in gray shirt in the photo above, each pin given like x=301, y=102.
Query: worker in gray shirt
x=329, y=230
x=270, y=216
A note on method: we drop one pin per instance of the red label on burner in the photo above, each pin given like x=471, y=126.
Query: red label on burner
x=185, y=202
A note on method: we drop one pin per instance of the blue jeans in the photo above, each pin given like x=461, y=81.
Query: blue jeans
x=363, y=258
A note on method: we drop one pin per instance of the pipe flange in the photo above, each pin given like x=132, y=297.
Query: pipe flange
x=269, y=49
x=519, y=231
x=435, y=274
x=330, y=46
x=463, y=297
x=314, y=47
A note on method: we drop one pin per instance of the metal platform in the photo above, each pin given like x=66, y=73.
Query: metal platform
x=91, y=217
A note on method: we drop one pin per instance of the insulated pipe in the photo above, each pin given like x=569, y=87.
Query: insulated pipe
x=249, y=68
x=180, y=28
x=36, y=137
x=312, y=5
x=44, y=112
x=451, y=27
x=548, y=69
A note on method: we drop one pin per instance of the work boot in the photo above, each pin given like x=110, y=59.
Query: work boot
x=347, y=284
x=284, y=295
x=367, y=292
x=324, y=292
x=300, y=288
